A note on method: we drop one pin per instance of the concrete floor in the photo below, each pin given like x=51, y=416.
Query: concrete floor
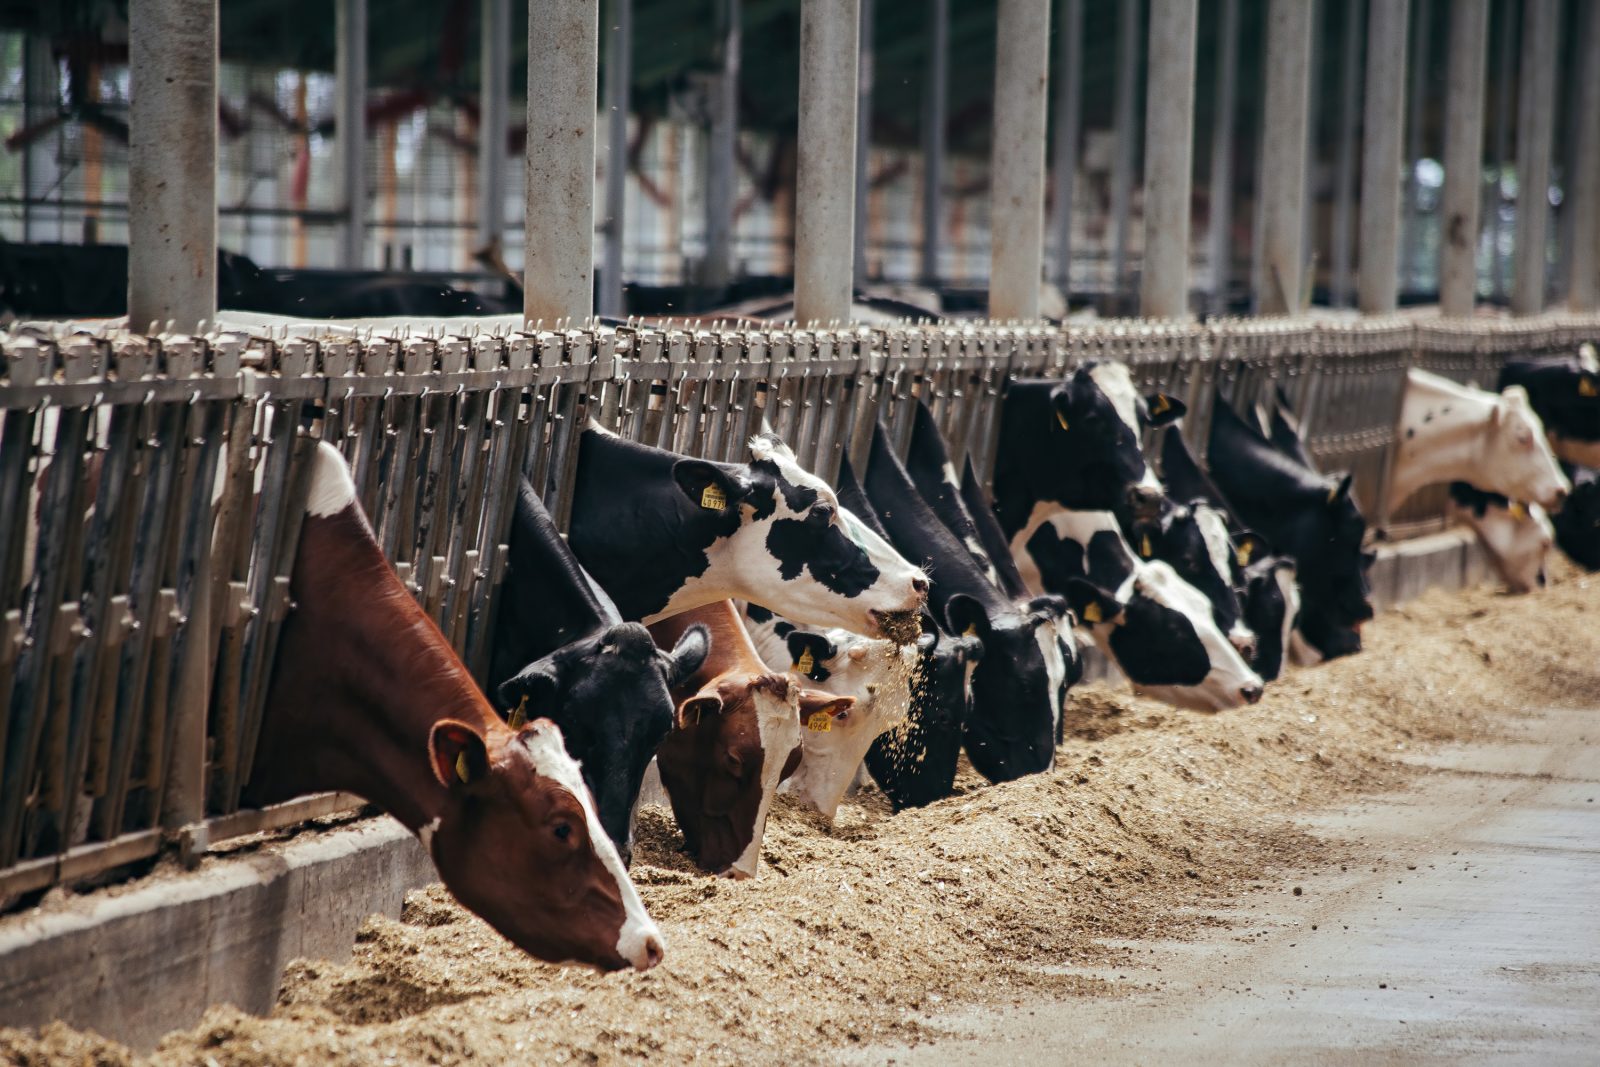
x=1466, y=930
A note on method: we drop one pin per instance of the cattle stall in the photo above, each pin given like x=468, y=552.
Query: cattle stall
x=151, y=489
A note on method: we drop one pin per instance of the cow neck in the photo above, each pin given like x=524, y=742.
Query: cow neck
x=731, y=647
x=935, y=479
x=1439, y=437
x=1025, y=404
x=362, y=676
x=1251, y=473
x=1185, y=480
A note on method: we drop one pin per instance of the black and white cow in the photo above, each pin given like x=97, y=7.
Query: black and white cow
x=1565, y=393
x=562, y=652
x=1577, y=524
x=1016, y=691
x=1515, y=536
x=1310, y=518
x=663, y=533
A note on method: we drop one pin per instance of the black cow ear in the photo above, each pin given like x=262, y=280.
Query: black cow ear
x=1249, y=547
x=687, y=656
x=707, y=485
x=1368, y=558
x=1051, y=605
x=459, y=756
x=531, y=689
x=1340, y=491
x=808, y=651
x=1061, y=405
x=964, y=615
x=1091, y=603
x=1165, y=408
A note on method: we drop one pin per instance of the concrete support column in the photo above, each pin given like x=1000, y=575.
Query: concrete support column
x=1168, y=159
x=619, y=81
x=721, y=170
x=935, y=98
x=1583, y=279
x=1378, y=283
x=863, y=142
x=1219, y=240
x=1536, y=106
x=1463, y=156
x=172, y=162
x=1344, y=177
x=563, y=57
x=1069, y=114
x=1505, y=94
x=824, y=240
x=1416, y=111
x=494, y=109
x=1016, y=168
x=1283, y=155
x=350, y=70
x=1128, y=12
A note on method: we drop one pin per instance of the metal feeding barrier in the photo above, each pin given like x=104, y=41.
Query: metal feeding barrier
x=152, y=488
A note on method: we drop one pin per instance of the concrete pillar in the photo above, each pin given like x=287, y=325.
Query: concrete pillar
x=1378, y=282
x=1344, y=178
x=935, y=117
x=494, y=108
x=563, y=57
x=1308, y=214
x=1416, y=109
x=824, y=240
x=1283, y=157
x=1536, y=105
x=1016, y=168
x=1168, y=159
x=721, y=170
x=1583, y=266
x=350, y=69
x=1505, y=90
x=1128, y=12
x=1463, y=156
x=172, y=162
x=619, y=81
x=1219, y=240
x=863, y=142
x=1069, y=113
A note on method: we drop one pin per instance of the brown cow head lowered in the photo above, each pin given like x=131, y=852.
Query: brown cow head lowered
x=367, y=696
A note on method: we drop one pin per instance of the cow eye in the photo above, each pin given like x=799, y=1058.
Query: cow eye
x=824, y=513
x=562, y=830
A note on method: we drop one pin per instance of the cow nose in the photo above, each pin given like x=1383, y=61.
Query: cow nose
x=1143, y=499
x=654, y=953
x=1245, y=646
x=1558, y=499
x=1250, y=693
x=920, y=586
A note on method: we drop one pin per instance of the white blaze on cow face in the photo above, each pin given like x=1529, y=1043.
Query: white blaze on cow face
x=1230, y=682
x=1116, y=382
x=778, y=721
x=1219, y=548
x=1289, y=589
x=1051, y=637
x=639, y=941
x=1517, y=538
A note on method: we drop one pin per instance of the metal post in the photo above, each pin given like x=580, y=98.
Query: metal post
x=1463, y=156
x=1069, y=112
x=1535, y=127
x=619, y=70
x=350, y=68
x=1122, y=162
x=721, y=169
x=826, y=172
x=863, y=142
x=1344, y=195
x=1016, y=169
x=1505, y=78
x=935, y=99
x=1378, y=281
x=1168, y=159
x=1283, y=156
x=1219, y=252
x=494, y=104
x=1308, y=215
x=1583, y=265
x=1416, y=100
x=563, y=55
x=172, y=162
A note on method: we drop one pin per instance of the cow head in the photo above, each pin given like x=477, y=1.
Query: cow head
x=915, y=763
x=1565, y=392
x=1516, y=455
x=722, y=761
x=876, y=675
x=1272, y=608
x=1515, y=536
x=611, y=695
x=1193, y=540
x=1326, y=529
x=1577, y=525
x=518, y=842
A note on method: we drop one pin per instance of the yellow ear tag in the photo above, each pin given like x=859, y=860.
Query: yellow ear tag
x=819, y=722
x=1518, y=510
x=461, y=766
x=805, y=663
x=1333, y=494
x=1092, y=613
x=1163, y=405
x=1144, y=547
x=1062, y=419
x=714, y=499
x=519, y=717
x=1586, y=387
x=971, y=630
x=1242, y=554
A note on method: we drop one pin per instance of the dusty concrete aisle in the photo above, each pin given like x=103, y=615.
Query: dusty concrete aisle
x=1465, y=930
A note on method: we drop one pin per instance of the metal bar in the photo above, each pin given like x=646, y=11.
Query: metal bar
x=1016, y=169
x=825, y=177
x=1463, y=155
x=350, y=73
x=1219, y=242
x=1284, y=155
x=1378, y=278
x=863, y=143
x=494, y=108
x=935, y=103
x=619, y=80
x=1122, y=162
x=1344, y=178
x=1583, y=185
x=1535, y=129
x=1504, y=115
x=1416, y=107
x=1168, y=159
x=722, y=166
x=1068, y=115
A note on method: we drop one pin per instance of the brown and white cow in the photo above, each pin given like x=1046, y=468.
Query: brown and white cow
x=368, y=697
x=736, y=737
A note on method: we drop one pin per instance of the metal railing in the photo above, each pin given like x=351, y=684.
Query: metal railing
x=151, y=490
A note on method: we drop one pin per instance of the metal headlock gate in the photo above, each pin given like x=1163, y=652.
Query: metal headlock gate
x=151, y=491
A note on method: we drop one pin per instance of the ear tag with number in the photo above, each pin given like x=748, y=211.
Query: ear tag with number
x=714, y=499
x=519, y=717
x=805, y=662
x=819, y=722
x=1062, y=419
x=1092, y=613
x=1144, y=547
x=461, y=766
x=1586, y=387
x=1242, y=554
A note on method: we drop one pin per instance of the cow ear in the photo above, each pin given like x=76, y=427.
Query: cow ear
x=1341, y=491
x=966, y=617
x=1249, y=547
x=688, y=655
x=1091, y=603
x=819, y=711
x=460, y=758
x=691, y=711
x=536, y=685
x=1165, y=408
x=808, y=652
x=1061, y=405
x=707, y=485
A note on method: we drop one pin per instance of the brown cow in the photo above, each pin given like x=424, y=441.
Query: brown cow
x=736, y=737
x=368, y=697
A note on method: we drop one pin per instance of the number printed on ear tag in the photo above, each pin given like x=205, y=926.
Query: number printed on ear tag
x=1092, y=613
x=819, y=722
x=805, y=662
x=714, y=499
x=1242, y=554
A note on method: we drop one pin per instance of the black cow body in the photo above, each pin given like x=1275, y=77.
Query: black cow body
x=561, y=646
x=1565, y=393
x=1578, y=522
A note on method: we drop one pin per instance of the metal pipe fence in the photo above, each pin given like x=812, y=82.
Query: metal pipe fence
x=151, y=491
